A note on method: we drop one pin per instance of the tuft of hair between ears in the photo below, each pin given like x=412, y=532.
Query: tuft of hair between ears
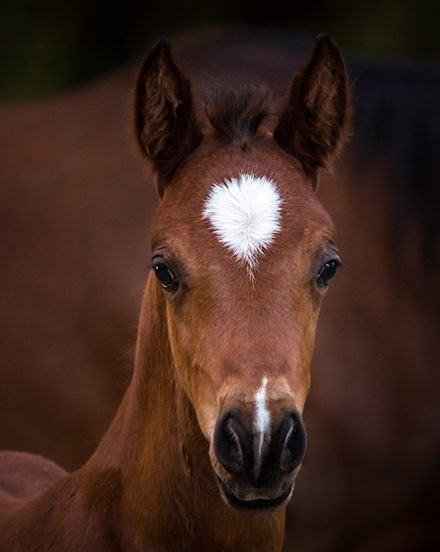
x=236, y=113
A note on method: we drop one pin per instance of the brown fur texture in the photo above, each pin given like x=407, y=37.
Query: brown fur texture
x=76, y=209
x=165, y=124
x=237, y=113
x=150, y=485
x=318, y=104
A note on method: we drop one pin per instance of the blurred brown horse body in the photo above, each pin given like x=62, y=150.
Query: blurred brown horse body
x=75, y=214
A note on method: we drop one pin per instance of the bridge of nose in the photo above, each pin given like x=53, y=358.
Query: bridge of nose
x=262, y=404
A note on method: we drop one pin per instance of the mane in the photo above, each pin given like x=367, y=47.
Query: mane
x=237, y=112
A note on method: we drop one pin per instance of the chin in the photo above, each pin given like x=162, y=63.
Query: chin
x=256, y=505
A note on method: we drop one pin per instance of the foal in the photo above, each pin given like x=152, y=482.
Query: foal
x=205, y=447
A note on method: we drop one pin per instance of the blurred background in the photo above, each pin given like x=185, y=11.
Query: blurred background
x=75, y=207
x=50, y=46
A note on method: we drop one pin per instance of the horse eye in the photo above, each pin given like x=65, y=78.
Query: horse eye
x=165, y=276
x=326, y=272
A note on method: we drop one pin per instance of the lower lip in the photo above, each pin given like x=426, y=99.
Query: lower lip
x=258, y=505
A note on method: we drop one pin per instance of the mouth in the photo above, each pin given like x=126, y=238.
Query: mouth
x=260, y=505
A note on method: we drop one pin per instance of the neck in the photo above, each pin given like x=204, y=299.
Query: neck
x=157, y=457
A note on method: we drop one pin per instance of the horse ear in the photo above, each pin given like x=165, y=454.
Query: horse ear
x=165, y=121
x=314, y=121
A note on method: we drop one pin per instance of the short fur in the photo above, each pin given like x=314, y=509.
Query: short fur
x=318, y=102
x=156, y=481
x=237, y=113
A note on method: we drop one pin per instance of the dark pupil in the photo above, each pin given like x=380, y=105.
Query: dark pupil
x=164, y=275
x=327, y=272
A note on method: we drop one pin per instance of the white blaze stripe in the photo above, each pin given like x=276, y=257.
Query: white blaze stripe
x=262, y=427
x=262, y=416
x=245, y=213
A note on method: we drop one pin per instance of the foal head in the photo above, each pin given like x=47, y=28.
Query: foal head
x=244, y=253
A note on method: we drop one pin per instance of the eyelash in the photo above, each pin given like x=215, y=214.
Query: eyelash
x=327, y=272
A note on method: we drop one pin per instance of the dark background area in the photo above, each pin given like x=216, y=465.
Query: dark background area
x=74, y=217
x=47, y=47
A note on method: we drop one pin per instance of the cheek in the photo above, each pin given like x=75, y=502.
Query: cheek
x=192, y=374
x=301, y=353
x=180, y=343
x=303, y=390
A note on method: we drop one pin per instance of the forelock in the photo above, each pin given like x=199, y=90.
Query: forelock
x=236, y=113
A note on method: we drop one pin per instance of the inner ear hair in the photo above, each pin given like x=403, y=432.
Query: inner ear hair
x=314, y=121
x=165, y=122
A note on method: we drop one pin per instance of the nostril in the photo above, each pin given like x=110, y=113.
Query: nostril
x=227, y=446
x=287, y=461
x=295, y=441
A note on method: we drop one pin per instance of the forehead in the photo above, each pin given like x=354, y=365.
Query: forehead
x=245, y=201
